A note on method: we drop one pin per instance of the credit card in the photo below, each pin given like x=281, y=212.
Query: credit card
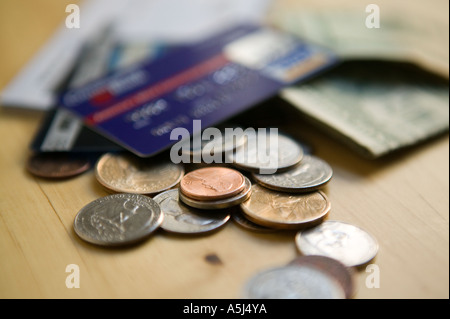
x=61, y=130
x=211, y=80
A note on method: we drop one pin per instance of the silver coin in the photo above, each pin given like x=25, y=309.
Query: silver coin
x=346, y=243
x=118, y=219
x=312, y=173
x=293, y=282
x=182, y=219
x=222, y=203
x=267, y=153
x=218, y=140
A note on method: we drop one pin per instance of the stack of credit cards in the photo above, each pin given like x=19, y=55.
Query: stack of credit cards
x=137, y=105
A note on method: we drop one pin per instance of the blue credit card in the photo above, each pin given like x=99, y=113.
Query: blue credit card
x=211, y=81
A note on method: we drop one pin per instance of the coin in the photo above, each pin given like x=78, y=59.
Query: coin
x=311, y=174
x=347, y=243
x=221, y=203
x=267, y=153
x=212, y=183
x=242, y=221
x=180, y=218
x=126, y=173
x=285, y=211
x=334, y=268
x=293, y=282
x=118, y=219
x=212, y=141
x=57, y=165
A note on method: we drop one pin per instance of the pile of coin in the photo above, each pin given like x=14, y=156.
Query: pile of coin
x=281, y=193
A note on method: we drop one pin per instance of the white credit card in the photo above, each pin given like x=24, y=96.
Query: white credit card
x=131, y=21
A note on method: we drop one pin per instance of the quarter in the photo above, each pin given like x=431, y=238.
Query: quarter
x=285, y=211
x=344, y=242
x=118, y=219
x=183, y=219
x=126, y=173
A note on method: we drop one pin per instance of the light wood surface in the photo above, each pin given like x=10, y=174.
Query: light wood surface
x=402, y=200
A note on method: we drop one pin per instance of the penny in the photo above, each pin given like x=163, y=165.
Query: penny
x=346, y=243
x=283, y=210
x=267, y=153
x=126, y=173
x=242, y=221
x=334, y=268
x=212, y=183
x=221, y=203
x=293, y=282
x=311, y=174
x=182, y=219
x=118, y=219
x=57, y=165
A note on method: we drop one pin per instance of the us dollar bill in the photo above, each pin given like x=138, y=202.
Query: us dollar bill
x=408, y=31
x=375, y=107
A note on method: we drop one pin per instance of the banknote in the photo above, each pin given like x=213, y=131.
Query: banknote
x=375, y=107
x=408, y=31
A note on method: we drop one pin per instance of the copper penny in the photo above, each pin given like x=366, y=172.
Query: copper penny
x=212, y=183
x=342, y=274
x=285, y=211
x=57, y=165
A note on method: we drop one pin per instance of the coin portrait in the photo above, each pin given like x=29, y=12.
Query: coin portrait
x=347, y=243
x=118, y=219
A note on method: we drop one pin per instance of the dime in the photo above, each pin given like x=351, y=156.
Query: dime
x=276, y=153
x=221, y=203
x=118, y=219
x=242, y=221
x=126, y=173
x=212, y=183
x=311, y=174
x=285, y=211
x=349, y=244
x=180, y=218
x=293, y=282
x=334, y=268
x=57, y=165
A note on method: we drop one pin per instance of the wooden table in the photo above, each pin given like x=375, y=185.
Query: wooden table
x=402, y=200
